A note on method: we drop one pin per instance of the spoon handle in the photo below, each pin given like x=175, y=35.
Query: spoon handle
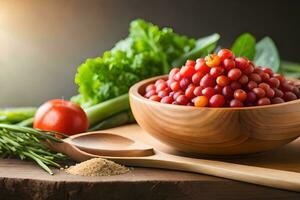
x=250, y=174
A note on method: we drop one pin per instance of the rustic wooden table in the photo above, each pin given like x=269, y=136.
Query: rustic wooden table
x=24, y=180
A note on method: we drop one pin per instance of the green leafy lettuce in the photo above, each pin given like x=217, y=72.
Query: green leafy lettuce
x=244, y=45
x=147, y=51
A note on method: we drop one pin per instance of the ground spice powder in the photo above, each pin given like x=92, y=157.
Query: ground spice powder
x=97, y=167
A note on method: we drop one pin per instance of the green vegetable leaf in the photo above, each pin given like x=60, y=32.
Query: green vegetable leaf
x=147, y=51
x=203, y=47
x=244, y=45
x=267, y=54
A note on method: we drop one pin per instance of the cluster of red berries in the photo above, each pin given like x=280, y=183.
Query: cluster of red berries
x=222, y=80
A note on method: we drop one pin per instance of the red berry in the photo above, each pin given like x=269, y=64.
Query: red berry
x=259, y=92
x=243, y=79
x=296, y=91
x=187, y=71
x=242, y=63
x=201, y=66
x=277, y=100
x=198, y=91
x=217, y=100
x=289, y=96
x=218, y=89
x=236, y=103
x=228, y=64
x=163, y=93
x=268, y=71
x=251, y=97
x=216, y=71
x=169, y=81
x=189, y=92
x=150, y=93
x=184, y=83
x=234, y=74
x=264, y=76
x=235, y=85
x=155, y=98
x=208, y=92
x=175, y=86
x=255, y=77
x=290, y=82
x=177, y=76
x=167, y=100
x=249, y=69
x=222, y=80
x=225, y=54
x=173, y=72
x=159, y=81
x=279, y=77
x=258, y=70
x=240, y=95
x=274, y=82
x=207, y=81
x=201, y=101
x=190, y=63
x=150, y=87
x=177, y=94
x=278, y=92
x=270, y=93
x=182, y=100
x=264, y=86
x=251, y=85
x=263, y=101
x=286, y=86
x=168, y=90
x=227, y=91
x=161, y=86
x=196, y=78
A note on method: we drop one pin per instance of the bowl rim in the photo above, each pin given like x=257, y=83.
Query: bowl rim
x=133, y=93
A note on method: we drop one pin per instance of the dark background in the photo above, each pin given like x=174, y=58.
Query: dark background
x=43, y=42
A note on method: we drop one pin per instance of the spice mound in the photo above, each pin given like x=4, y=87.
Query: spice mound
x=97, y=167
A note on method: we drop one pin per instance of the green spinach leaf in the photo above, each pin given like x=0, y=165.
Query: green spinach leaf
x=267, y=54
x=244, y=45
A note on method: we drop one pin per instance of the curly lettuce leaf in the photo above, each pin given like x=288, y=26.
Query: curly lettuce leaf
x=147, y=51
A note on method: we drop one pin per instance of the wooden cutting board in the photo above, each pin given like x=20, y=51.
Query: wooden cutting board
x=21, y=179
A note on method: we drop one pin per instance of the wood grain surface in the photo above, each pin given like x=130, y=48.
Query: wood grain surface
x=216, y=131
x=125, y=148
x=24, y=180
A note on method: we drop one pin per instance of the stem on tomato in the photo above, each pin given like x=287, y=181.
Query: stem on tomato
x=107, y=108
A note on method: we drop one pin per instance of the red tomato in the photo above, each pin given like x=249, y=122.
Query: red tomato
x=61, y=116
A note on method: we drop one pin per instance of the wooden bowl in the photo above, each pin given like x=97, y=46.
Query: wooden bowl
x=216, y=131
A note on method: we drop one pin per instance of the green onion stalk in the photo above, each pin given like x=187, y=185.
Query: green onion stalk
x=109, y=113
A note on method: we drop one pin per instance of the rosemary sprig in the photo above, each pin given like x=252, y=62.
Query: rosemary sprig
x=27, y=143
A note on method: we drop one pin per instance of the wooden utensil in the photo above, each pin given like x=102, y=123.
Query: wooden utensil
x=134, y=153
x=216, y=131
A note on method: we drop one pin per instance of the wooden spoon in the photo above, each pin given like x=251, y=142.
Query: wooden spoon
x=129, y=152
